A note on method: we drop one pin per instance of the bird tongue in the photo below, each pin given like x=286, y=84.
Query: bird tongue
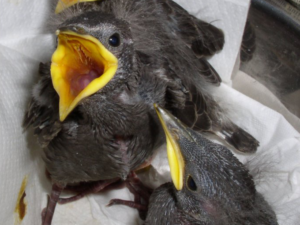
x=79, y=81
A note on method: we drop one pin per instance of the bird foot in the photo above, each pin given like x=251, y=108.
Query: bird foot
x=141, y=195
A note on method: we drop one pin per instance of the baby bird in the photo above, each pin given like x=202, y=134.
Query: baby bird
x=210, y=186
x=92, y=108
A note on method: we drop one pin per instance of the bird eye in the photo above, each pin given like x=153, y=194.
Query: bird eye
x=191, y=184
x=114, y=40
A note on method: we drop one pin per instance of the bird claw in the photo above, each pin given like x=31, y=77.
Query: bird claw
x=141, y=195
x=130, y=204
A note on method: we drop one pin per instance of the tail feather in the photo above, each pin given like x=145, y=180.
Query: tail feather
x=239, y=138
x=203, y=114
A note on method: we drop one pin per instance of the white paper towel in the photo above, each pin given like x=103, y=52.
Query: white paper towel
x=24, y=42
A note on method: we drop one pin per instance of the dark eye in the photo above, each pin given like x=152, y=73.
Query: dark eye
x=114, y=40
x=191, y=184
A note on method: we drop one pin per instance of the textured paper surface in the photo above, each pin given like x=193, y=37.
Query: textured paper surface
x=24, y=42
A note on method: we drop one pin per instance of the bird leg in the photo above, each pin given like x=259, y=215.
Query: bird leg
x=83, y=189
x=137, y=188
x=141, y=195
x=95, y=187
x=48, y=212
x=140, y=199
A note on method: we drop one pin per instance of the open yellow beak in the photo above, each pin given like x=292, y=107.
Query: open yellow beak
x=64, y=4
x=80, y=66
x=175, y=157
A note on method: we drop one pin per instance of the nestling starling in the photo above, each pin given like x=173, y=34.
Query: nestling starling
x=210, y=186
x=92, y=108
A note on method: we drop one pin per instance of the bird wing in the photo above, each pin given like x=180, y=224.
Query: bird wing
x=196, y=107
x=202, y=37
x=42, y=110
x=194, y=41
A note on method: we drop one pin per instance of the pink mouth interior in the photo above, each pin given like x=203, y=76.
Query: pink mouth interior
x=78, y=82
x=82, y=69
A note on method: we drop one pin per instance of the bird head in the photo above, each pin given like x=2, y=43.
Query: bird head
x=210, y=182
x=90, y=55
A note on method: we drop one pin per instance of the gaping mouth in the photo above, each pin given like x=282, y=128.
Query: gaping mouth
x=81, y=66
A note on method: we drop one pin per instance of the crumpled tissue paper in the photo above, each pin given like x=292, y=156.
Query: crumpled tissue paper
x=24, y=42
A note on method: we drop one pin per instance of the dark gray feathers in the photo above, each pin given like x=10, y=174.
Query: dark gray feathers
x=217, y=188
x=116, y=130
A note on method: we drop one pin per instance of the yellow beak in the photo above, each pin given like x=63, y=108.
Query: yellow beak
x=64, y=4
x=80, y=66
x=175, y=158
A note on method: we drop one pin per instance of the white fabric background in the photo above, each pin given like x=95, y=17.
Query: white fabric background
x=24, y=43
